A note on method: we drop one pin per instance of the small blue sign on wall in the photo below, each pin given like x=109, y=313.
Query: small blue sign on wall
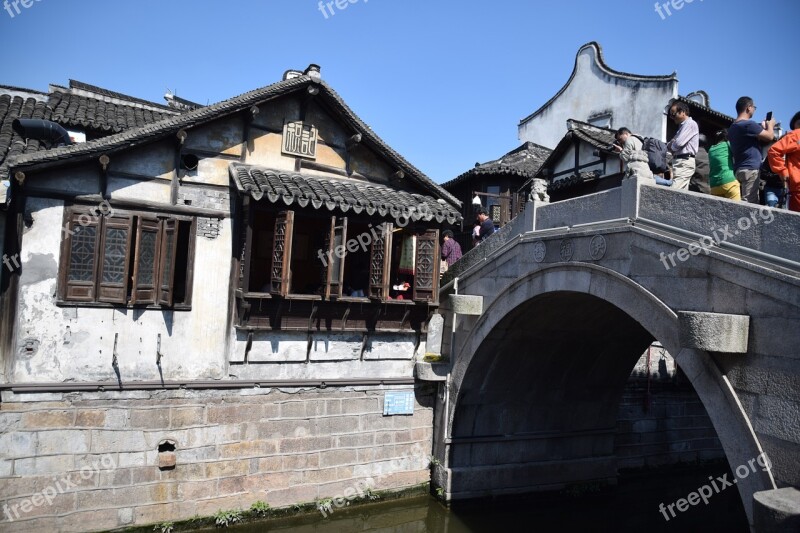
x=398, y=403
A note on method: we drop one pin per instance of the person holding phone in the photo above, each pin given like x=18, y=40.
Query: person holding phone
x=745, y=136
x=784, y=160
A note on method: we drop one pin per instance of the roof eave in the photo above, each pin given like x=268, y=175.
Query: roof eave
x=171, y=125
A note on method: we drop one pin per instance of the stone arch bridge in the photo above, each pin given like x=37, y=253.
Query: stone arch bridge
x=544, y=322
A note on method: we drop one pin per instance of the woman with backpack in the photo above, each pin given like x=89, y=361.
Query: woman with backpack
x=721, y=178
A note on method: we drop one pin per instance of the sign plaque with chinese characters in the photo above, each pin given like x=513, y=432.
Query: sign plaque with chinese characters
x=300, y=139
x=398, y=403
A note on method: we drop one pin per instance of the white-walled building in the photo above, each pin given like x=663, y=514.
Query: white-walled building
x=601, y=96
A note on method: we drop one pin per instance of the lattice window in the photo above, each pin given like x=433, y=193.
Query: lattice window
x=380, y=259
x=282, y=253
x=83, y=250
x=147, y=257
x=116, y=253
x=426, y=275
x=102, y=254
x=147, y=253
x=80, y=247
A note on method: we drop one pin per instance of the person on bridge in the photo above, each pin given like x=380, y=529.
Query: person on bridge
x=487, y=225
x=683, y=146
x=451, y=250
x=629, y=148
x=784, y=160
x=721, y=178
x=699, y=181
x=745, y=136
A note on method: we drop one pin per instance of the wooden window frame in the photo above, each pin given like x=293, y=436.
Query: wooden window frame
x=281, y=259
x=426, y=267
x=280, y=282
x=140, y=293
x=78, y=291
x=116, y=294
x=334, y=270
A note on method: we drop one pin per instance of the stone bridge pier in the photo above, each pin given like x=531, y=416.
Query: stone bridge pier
x=544, y=322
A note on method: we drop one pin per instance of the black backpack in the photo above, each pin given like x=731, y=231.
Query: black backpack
x=770, y=178
x=656, y=154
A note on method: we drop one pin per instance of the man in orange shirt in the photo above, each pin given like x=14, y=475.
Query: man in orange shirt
x=784, y=160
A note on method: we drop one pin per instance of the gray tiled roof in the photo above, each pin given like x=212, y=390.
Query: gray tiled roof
x=71, y=110
x=705, y=109
x=574, y=179
x=171, y=125
x=523, y=161
x=102, y=93
x=598, y=137
x=343, y=195
x=11, y=108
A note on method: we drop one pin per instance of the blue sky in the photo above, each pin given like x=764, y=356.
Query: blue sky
x=444, y=82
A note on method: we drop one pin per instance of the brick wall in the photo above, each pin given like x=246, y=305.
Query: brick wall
x=211, y=198
x=667, y=426
x=89, y=461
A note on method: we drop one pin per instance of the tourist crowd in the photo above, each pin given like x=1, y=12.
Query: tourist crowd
x=732, y=166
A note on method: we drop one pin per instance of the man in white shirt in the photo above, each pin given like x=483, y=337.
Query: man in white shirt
x=683, y=145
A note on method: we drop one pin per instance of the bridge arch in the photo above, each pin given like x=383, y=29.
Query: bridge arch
x=549, y=327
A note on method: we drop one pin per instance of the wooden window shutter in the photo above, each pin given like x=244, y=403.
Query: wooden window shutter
x=380, y=262
x=280, y=274
x=79, y=262
x=115, y=253
x=246, y=243
x=426, y=269
x=334, y=281
x=166, y=269
x=145, y=263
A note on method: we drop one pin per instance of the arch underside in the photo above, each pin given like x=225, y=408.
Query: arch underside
x=537, y=383
x=538, y=405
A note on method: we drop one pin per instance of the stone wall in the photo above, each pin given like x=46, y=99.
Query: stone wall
x=661, y=421
x=90, y=461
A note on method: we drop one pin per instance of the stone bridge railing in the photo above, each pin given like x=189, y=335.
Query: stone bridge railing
x=756, y=233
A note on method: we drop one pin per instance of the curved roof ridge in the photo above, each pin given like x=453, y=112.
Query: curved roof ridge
x=101, y=92
x=601, y=63
x=21, y=89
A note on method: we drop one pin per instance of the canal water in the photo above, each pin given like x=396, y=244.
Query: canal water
x=633, y=505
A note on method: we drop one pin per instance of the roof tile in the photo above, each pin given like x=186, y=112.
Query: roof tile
x=524, y=161
x=169, y=125
x=343, y=195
